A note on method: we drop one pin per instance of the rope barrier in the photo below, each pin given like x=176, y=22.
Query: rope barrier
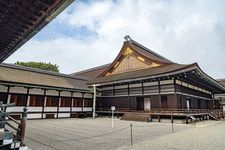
x=41, y=143
x=84, y=138
x=146, y=126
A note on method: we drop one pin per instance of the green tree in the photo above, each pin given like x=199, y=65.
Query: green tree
x=40, y=65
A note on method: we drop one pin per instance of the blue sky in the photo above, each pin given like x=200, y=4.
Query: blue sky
x=90, y=33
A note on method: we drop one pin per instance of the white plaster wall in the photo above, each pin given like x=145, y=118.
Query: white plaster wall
x=52, y=92
x=36, y=91
x=64, y=108
x=15, y=109
x=65, y=93
x=3, y=88
x=32, y=116
x=18, y=90
x=147, y=104
x=87, y=109
x=34, y=109
x=87, y=95
x=76, y=94
x=135, y=85
x=77, y=109
x=50, y=109
x=63, y=115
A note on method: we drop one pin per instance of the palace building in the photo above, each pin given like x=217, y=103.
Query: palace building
x=140, y=79
x=45, y=94
x=137, y=80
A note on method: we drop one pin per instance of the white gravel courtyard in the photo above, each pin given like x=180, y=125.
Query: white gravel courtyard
x=97, y=134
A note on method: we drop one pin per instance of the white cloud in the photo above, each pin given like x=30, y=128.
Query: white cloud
x=183, y=31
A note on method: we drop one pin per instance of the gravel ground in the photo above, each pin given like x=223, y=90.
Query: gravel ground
x=97, y=134
x=208, y=135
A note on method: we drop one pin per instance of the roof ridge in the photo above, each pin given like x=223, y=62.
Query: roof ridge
x=41, y=71
x=90, y=69
x=148, y=50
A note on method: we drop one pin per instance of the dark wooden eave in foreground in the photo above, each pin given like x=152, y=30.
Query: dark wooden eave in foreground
x=22, y=19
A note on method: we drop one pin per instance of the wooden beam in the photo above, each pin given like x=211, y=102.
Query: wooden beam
x=128, y=93
x=43, y=104
x=59, y=98
x=8, y=94
x=82, y=101
x=159, y=87
x=71, y=107
x=27, y=96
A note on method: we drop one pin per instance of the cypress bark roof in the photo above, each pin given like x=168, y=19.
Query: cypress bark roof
x=162, y=67
x=37, y=77
x=92, y=72
x=172, y=68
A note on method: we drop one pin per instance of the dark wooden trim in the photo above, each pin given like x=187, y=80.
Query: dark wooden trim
x=8, y=89
x=27, y=95
x=82, y=97
x=175, y=94
x=71, y=107
x=128, y=93
x=58, y=105
x=175, y=85
x=159, y=86
x=43, y=105
x=142, y=87
x=113, y=90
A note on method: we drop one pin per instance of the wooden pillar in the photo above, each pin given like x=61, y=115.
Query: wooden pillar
x=171, y=119
x=186, y=119
x=113, y=90
x=8, y=95
x=94, y=101
x=43, y=104
x=142, y=87
x=175, y=94
x=82, y=101
x=71, y=106
x=59, y=102
x=159, y=95
x=128, y=93
x=28, y=97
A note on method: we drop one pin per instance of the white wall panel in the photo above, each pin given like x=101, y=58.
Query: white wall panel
x=34, y=109
x=33, y=116
x=15, y=109
x=76, y=94
x=3, y=88
x=36, y=91
x=50, y=108
x=63, y=115
x=64, y=108
x=87, y=109
x=52, y=92
x=77, y=109
x=87, y=95
x=16, y=89
x=65, y=93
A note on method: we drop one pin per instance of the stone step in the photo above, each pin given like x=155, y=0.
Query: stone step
x=135, y=117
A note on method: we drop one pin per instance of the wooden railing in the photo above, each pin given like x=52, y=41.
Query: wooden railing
x=16, y=127
x=172, y=111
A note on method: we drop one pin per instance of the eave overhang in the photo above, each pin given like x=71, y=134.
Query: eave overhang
x=20, y=20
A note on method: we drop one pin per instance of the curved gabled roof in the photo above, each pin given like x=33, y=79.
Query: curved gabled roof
x=143, y=73
x=165, y=69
